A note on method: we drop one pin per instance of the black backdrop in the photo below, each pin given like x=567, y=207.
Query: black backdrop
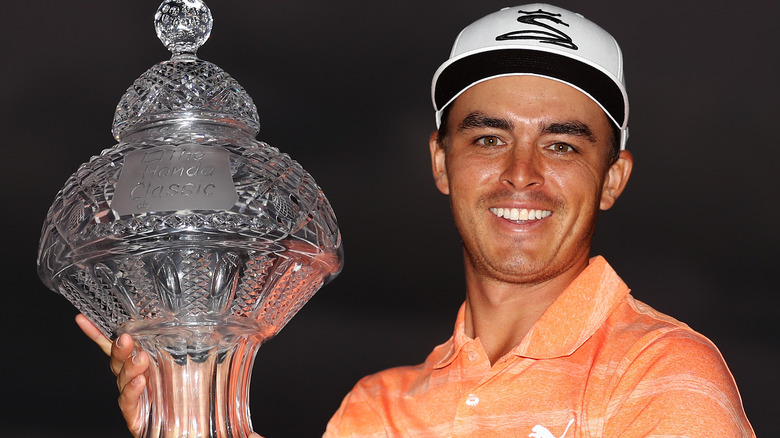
x=343, y=87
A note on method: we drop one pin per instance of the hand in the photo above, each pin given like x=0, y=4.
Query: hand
x=129, y=367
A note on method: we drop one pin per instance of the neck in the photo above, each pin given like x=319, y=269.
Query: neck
x=501, y=313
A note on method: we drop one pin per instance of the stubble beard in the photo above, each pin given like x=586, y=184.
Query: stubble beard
x=516, y=267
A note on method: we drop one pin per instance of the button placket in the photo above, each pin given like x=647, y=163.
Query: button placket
x=475, y=370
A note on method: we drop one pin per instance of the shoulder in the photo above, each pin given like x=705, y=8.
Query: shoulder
x=636, y=328
x=369, y=408
x=654, y=346
x=389, y=382
x=404, y=380
x=670, y=378
x=364, y=410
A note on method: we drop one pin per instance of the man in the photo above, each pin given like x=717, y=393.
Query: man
x=532, y=115
x=532, y=126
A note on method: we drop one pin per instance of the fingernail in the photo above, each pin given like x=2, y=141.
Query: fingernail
x=133, y=357
x=118, y=342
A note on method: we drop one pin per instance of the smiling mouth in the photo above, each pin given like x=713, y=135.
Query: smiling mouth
x=520, y=214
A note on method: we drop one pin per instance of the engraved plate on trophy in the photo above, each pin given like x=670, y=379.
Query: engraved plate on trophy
x=170, y=178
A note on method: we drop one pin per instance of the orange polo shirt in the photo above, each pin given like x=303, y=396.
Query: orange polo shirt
x=597, y=363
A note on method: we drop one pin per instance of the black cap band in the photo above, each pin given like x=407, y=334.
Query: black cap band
x=466, y=71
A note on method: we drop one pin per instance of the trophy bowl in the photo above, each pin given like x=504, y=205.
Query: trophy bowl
x=190, y=235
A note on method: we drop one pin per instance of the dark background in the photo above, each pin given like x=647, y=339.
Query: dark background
x=343, y=87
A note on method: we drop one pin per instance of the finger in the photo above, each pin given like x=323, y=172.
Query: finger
x=132, y=368
x=121, y=352
x=93, y=333
x=131, y=404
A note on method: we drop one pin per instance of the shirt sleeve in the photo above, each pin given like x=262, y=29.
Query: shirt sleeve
x=677, y=385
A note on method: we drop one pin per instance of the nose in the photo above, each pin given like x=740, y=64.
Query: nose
x=522, y=168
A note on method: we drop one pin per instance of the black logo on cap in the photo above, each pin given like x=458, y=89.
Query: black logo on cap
x=540, y=18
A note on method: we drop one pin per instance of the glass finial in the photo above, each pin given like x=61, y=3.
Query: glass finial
x=183, y=25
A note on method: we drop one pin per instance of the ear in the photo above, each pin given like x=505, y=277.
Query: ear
x=439, y=164
x=616, y=180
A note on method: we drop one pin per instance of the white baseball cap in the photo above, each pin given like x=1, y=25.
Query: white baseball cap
x=537, y=40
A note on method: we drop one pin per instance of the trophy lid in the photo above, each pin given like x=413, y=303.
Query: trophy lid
x=184, y=88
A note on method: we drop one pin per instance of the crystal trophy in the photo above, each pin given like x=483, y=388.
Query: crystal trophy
x=190, y=235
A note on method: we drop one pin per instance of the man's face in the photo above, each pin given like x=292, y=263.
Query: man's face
x=526, y=165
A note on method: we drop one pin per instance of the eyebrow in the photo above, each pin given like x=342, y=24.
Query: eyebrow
x=478, y=120
x=572, y=127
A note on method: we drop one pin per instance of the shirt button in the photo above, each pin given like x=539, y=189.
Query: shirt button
x=472, y=355
x=472, y=400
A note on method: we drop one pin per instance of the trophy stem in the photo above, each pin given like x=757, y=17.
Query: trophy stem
x=198, y=381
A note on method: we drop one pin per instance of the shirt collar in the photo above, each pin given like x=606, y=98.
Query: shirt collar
x=569, y=321
x=450, y=349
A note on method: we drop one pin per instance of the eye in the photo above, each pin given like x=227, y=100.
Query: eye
x=490, y=141
x=561, y=148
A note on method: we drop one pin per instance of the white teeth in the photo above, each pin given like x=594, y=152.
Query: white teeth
x=520, y=214
x=525, y=214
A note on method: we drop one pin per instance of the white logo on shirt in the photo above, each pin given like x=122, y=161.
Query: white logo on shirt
x=540, y=431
